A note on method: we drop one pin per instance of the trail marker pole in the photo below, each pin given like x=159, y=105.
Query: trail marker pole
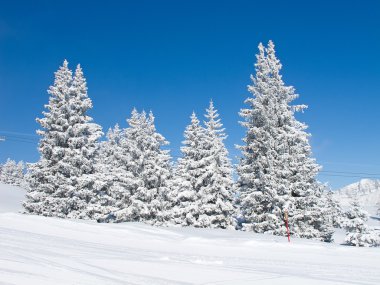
x=287, y=224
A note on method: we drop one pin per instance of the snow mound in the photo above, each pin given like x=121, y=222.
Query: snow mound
x=45, y=251
x=11, y=198
x=40, y=250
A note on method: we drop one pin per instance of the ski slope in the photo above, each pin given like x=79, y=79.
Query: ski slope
x=11, y=198
x=39, y=250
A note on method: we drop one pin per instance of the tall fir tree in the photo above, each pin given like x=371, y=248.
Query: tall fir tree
x=216, y=193
x=276, y=171
x=188, y=177
x=61, y=183
x=84, y=141
x=203, y=186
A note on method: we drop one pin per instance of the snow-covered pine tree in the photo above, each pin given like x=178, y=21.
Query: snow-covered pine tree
x=8, y=172
x=146, y=172
x=12, y=173
x=358, y=233
x=335, y=211
x=83, y=141
x=60, y=182
x=276, y=171
x=112, y=169
x=21, y=166
x=216, y=191
x=188, y=177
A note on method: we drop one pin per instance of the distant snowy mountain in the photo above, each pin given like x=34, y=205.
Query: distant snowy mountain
x=366, y=190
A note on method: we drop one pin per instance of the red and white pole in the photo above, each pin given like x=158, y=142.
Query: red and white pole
x=287, y=224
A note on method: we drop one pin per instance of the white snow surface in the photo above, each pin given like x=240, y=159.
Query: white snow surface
x=40, y=250
x=11, y=198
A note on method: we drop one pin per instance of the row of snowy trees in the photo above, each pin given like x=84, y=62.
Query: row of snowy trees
x=130, y=176
x=12, y=173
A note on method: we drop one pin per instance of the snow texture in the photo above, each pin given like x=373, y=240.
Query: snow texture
x=43, y=251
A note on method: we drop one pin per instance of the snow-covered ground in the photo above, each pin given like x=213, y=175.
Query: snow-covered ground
x=11, y=198
x=38, y=250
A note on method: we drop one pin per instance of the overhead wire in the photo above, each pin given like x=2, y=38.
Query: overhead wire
x=33, y=139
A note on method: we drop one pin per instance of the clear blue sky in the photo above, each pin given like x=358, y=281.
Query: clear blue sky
x=173, y=56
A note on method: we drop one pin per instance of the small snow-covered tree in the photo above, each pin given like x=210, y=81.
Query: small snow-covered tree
x=142, y=177
x=335, y=211
x=112, y=167
x=356, y=217
x=62, y=182
x=12, y=173
x=203, y=185
x=21, y=168
x=276, y=172
x=358, y=232
x=216, y=193
x=188, y=177
x=153, y=170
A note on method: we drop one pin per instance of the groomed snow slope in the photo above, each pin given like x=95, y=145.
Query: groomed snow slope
x=39, y=250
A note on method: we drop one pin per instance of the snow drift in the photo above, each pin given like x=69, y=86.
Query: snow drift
x=40, y=250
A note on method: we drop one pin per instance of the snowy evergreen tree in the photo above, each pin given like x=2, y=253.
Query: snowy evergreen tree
x=112, y=167
x=216, y=193
x=189, y=173
x=85, y=135
x=62, y=182
x=276, y=171
x=12, y=173
x=142, y=171
x=203, y=186
x=20, y=174
x=358, y=233
x=335, y=211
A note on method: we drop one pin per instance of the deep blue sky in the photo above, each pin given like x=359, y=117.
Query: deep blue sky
x=173, y=56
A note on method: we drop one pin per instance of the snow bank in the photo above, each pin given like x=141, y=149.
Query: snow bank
x=40, y=250
x=11, y=198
